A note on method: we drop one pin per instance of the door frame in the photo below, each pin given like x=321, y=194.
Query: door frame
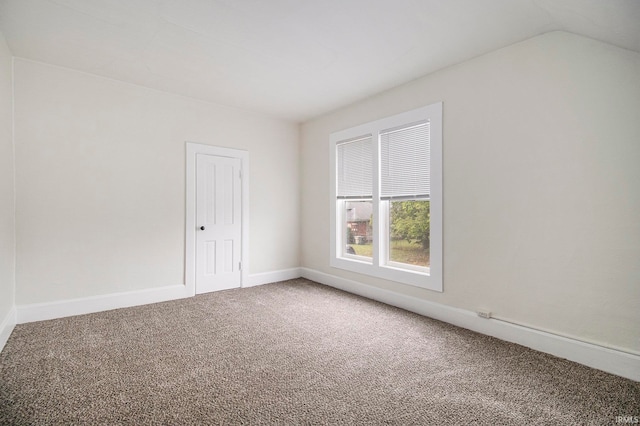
x=192, y=150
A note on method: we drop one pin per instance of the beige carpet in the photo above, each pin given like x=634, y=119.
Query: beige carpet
x=290, y=353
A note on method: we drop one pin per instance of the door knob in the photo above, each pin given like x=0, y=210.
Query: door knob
x=202, y=228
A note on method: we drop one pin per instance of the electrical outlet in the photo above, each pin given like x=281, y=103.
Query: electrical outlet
x=484, y=313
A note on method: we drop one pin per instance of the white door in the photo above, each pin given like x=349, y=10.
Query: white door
x=218, y=222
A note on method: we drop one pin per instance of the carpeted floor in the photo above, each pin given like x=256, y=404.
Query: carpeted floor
x=290, y=353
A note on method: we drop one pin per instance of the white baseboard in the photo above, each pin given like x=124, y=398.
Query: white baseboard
x=6, y=326
x=272, y=277
x=612, y=361
x=609, y=360
x=88, y=305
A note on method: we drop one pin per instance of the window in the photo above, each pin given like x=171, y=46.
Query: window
x=386, y=218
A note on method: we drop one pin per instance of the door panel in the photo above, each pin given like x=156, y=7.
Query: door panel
x=218, y=211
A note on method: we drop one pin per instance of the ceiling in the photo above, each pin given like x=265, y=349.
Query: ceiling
x=293, y=59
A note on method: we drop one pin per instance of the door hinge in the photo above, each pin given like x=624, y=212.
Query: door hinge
x=240, y=173
x=240, y=266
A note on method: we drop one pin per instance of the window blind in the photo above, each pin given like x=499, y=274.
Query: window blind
x=405, y=163
x=355, y=168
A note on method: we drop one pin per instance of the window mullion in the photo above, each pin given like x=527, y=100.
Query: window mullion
x=340, y=205
x=378, y=233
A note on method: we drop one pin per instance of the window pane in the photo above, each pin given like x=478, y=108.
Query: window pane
x=405, y=158
x=357, y=227
x=409, y=232
x=355, y=168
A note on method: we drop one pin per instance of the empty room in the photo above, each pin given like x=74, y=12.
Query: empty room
x=319, y=212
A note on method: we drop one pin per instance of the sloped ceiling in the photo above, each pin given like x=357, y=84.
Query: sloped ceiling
x=294, y=59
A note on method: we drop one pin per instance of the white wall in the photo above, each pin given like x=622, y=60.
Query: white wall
x=100, y=183
x=541, y=185
x=7, y=208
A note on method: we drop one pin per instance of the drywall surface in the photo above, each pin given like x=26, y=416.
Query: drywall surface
x=541, y=185
x=7, y=206
x=100, y=183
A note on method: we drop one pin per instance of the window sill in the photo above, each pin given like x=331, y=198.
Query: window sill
x=423, y=279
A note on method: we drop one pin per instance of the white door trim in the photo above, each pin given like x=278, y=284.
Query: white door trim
x=190, y=216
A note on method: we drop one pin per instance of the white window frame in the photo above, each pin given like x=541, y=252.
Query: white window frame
x=429, y=278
